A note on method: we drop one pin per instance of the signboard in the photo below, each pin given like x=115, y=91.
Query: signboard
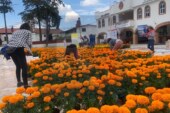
x=142, y=30
x=75, y=38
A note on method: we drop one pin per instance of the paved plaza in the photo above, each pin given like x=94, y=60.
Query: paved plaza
x=7, y=69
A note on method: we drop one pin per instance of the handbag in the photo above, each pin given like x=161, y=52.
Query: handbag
x=7, y=50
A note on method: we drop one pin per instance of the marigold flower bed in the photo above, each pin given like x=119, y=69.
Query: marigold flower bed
x=100, y=81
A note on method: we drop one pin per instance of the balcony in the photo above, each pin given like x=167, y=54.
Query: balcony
x=125, y=24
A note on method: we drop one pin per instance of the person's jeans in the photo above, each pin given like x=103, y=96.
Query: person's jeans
x=19, y=59
x=151, y=44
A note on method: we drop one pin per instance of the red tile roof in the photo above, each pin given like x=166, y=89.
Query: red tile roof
x=52, y=31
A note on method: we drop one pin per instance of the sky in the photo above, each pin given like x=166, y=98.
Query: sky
x=85, y=9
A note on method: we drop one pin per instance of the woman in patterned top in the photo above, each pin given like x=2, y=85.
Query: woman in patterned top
x=21, y=39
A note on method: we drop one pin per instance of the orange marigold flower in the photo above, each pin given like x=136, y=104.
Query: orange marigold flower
x=29, y=90
x=2, y=105
x=5, y=99
x=158, y=105
x=82, y=91
x=46, y=108
x=93, y=110
x=156, y=96
x=81, y=111
x=45, y=78
x=66, y=94
x=101, y=86
x=111, y=82
x=58, y=90
x=150, y=90
x=169, y=105
x=39, y=74
x=141, y=110
x=143, y=78
x=100, y=92
x=99, y=97
x=131, y=74
x=115, y=108
x=30, y=105
x=86, y=83
x=118, y=84
x=91, y=88
x=72, y=111
x=143, y=100
x=35, y=81
x=47, y=99
x=130, y=104
x=134, y=81
x=20, y=90
x=131, y=97
x=165, y=97
x=13, y=99
x=124, y=110
x=45, y=90
x=36, y=94
x=106, y=109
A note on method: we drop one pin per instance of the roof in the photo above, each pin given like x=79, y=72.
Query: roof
x=52, y=31
x=36, y=30
x=9, y=31
x=73, y=29
x=87, y=25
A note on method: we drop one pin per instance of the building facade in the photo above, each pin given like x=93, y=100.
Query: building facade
x=128, y=18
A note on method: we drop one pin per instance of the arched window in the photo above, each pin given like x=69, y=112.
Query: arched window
x=99, y=24
x=147, y=11
x=103, y=23
x=162, y=7
x=139, y=13
x=114, y=19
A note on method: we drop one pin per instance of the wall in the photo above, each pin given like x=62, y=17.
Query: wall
x=89, y=30
x=155, y=18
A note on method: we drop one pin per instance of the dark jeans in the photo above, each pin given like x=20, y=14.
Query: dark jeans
x=19, y=59
x=151, y=44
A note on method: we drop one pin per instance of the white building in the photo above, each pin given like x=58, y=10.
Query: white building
x=127, y=17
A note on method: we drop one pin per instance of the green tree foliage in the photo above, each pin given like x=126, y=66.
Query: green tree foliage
x=46, y=10
x=5, y=7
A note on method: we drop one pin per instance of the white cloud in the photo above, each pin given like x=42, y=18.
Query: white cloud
x=89, y=2
x=68, y=12
x=71, y=16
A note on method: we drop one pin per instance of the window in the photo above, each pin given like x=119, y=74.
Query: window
x=99, y=24
x=83, y=29
x=162, y=7
x=139, y=13
x=114, y=19
x=108, y=21
x=147, y=11
x=103, y=23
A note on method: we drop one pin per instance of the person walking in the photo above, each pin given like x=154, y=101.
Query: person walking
x=150, y=35
x=115, y=44
x=21, y=39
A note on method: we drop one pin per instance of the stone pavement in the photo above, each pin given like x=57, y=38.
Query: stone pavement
x=8, y=82
x=7, y=69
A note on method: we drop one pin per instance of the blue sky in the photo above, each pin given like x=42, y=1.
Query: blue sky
x=73, y=9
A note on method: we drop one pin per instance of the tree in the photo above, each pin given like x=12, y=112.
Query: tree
x=50, y=12
x=5, y=7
